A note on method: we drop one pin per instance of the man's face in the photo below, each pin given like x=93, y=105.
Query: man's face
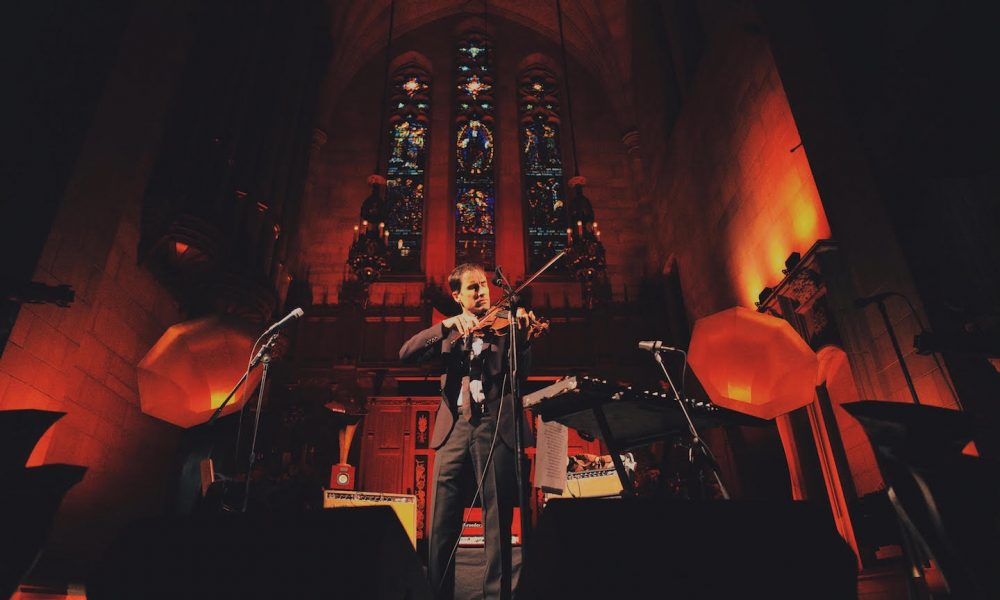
x=474, y=294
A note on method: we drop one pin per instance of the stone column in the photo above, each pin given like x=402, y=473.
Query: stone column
x=631, y=141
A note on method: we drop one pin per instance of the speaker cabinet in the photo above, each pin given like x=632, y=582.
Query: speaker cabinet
x=654, y=548
x=403, y=505
x=344, y=553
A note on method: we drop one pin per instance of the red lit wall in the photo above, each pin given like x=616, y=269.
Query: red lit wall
x=735, y=193
x=734, y=199
x=81, y=360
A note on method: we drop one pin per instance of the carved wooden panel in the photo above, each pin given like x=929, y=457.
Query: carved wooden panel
x=392, y=460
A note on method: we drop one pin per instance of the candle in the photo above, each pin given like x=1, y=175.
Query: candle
x=569, y=236
x=386, y=237
x=579, y=228
x=381, y=229
x=364, y=226
x=355, y=233
x=593, y=226
x=598, y=234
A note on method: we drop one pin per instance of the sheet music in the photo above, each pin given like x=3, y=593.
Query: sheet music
x=552, y=445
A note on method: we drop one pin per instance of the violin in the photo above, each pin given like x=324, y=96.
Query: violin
x=498, y=321
x=497, y=318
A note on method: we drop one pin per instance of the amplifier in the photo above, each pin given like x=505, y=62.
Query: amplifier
x=404, y=505
x=598, y=483
x=473, y=535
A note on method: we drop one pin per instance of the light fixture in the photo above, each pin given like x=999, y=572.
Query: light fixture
x=369, y=252
x=791, y=262
x=583, y=237
x=753, y=363
x=763, y=296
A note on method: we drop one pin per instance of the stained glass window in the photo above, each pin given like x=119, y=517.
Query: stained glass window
x=541, y=166
x=475, y=189
x=409, y=110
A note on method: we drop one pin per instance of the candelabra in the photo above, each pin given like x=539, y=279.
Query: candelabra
x=369, y=252
x=583, y=244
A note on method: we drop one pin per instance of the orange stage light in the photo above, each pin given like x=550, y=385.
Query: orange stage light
x=753, y=363
x=190, y=370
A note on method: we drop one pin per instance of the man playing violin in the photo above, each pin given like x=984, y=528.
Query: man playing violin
x=474, y=423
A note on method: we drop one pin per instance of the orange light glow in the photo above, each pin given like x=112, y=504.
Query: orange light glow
x=191, y=369
x=739, y=393
x=180, y=247
x=970, y=449
x=23, y=595
x=780, y=210
x=41, y=449
x=218, y=397
x=804, y=220
x=752, y=285
x=777, y=252
x=753, y=363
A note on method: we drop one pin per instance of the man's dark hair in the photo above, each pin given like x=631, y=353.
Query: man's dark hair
x=455, y=279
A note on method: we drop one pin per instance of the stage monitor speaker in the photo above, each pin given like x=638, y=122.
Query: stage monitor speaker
x=654, y=548
x=346, y=553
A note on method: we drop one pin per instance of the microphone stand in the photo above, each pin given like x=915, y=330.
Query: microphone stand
x=263, y=357
x=696, y=440
x=895, y=347
x=253, y=363
x=511, y=301
x=258, y=359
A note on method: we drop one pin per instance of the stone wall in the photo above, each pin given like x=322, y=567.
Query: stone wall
x=82, y=360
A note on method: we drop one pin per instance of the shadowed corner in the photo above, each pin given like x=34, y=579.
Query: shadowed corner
x=31, y=494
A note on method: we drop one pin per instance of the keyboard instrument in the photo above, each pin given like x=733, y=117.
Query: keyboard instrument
x=634, y=417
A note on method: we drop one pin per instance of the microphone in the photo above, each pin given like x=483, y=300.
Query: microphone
x=498, y=278
x=654, y=346
x=863, y=302
x=295, y=314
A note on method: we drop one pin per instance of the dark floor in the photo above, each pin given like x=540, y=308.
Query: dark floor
x=469, y=572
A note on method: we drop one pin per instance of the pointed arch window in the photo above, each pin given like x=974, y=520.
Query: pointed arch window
x=541, y=166
x=409, y=128
x=475, y=186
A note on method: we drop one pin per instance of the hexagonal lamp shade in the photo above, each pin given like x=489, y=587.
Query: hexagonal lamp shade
x=753, y=363
x=191, y=369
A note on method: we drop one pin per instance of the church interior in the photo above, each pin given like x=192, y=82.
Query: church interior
x=760, y=237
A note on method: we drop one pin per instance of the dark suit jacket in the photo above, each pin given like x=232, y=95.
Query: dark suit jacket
x=437, y=341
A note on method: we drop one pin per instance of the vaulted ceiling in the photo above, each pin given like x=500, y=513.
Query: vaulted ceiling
x=596, y=34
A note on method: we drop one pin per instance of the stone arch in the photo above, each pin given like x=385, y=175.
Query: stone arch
x=360, y=31
x=539, y=59
x=411, y=58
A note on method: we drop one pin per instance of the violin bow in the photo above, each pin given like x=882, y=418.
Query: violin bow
x=506, y=299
